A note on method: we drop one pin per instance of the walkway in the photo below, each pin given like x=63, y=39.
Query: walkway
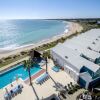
x=35, y=76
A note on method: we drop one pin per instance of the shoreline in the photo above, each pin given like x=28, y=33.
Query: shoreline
x=32, y=43
x=71, y=28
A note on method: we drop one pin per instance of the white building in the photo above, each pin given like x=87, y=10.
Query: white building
x=68, y=55
x=87, y=44
x=92, y=55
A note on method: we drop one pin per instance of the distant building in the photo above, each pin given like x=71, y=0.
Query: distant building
x=98, y=22
x=69, y=56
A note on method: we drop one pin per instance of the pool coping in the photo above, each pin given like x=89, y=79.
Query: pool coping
x=10, y=68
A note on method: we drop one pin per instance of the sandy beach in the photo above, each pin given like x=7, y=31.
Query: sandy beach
x=73, y=27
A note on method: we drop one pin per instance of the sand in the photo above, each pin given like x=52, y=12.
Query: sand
x=73, y=27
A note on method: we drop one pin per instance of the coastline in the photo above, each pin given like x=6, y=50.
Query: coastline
x=71, y=28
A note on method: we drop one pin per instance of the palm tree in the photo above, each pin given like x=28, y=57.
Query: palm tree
x=69, y=86
x=45, y=57
x=46, y=65
x=28, y=64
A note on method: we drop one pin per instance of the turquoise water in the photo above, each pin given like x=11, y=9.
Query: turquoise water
x=9, y=76
x=15, y=33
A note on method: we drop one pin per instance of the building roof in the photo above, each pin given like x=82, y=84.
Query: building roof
x=82, y=43
x=96, y=47
x=73, y=58
x=82, y=50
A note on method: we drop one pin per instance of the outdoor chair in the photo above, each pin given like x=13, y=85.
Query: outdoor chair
x=7, y=96
x=42, y=79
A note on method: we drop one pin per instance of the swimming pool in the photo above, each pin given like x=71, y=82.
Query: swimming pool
x=19, y=70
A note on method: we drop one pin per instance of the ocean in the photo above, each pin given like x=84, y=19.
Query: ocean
x=16, y=33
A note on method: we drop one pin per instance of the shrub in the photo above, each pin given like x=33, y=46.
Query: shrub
x=1, y=61
x=23, y=53
x=70, y=92
x=75, y=89
x=77, y=86
x=15, y=56
x=47, y=54
x=8, y=58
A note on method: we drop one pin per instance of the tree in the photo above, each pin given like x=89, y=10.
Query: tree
x=28, y=64
x=69, y=87
x=45, y=55
x=46, y=64
x=71, y=84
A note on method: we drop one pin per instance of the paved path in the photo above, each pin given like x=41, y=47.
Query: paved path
x=35, y=76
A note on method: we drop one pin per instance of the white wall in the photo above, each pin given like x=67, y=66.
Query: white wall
x=63, y=63
x=71, y=73
x=57, y=58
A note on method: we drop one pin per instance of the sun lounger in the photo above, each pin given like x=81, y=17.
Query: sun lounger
x=42, y=78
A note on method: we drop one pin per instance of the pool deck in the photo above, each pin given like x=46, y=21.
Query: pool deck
x=40, y=91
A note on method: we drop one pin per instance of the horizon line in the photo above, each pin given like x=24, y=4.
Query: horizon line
x=49, y=18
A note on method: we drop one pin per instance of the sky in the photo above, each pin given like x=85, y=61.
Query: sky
x=41, y=9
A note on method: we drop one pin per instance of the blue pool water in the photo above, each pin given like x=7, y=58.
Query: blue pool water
x=7, y=77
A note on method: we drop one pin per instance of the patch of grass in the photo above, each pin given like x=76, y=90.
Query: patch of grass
x=9, y=61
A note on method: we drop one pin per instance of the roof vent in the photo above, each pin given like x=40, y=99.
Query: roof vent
x=93, y=42
x=89, y=48
x=66, y=57
x=97, y=39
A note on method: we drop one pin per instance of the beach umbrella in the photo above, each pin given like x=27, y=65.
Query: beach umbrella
x=17, y=77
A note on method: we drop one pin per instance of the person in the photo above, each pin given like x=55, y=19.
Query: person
x=17, y=79
x=11, y=82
